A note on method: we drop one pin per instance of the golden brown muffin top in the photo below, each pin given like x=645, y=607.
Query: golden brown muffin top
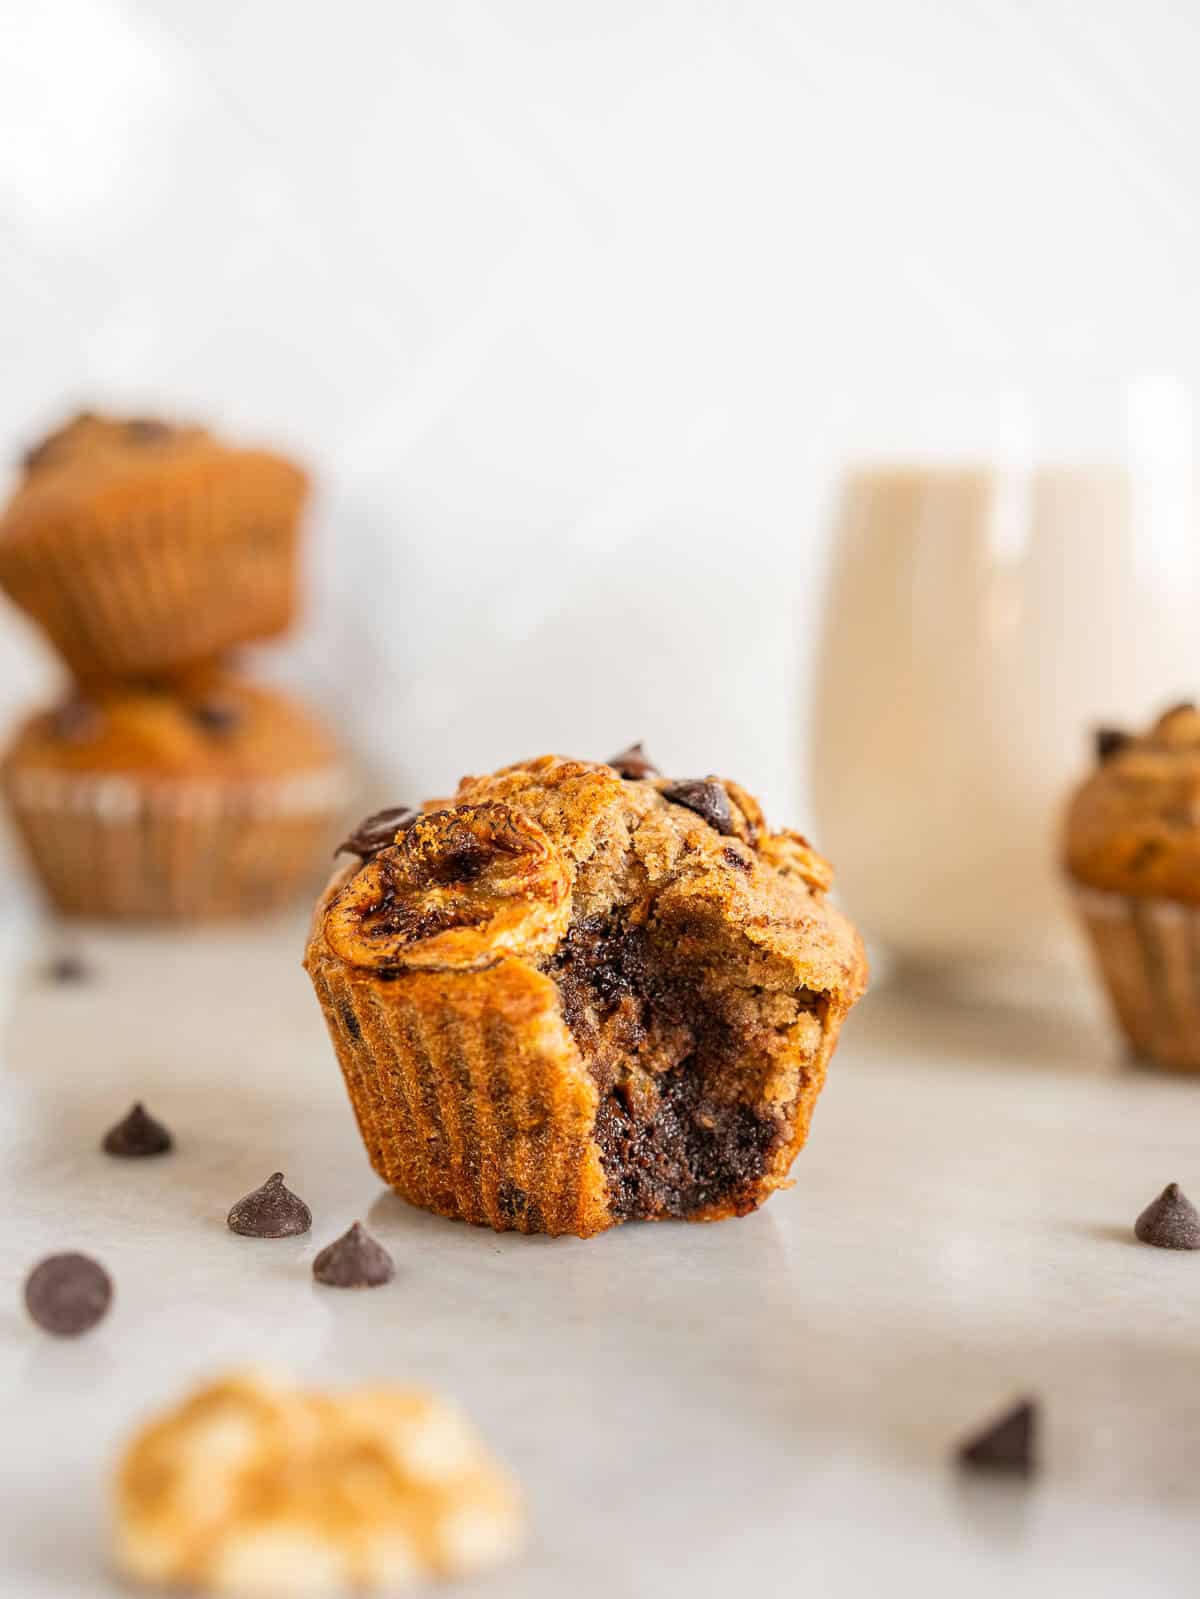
x=1133, y=827
x=536, y=848
x=97, y=456
x=208, y=723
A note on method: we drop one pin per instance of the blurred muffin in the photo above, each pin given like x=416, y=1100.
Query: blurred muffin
x=1132, y=854
x=212, y=797
x=138, y=546
x=574, y=998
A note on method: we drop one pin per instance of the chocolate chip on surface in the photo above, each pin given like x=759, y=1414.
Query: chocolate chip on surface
x=708, y=799
x=633, y=763
x=271, y=1211
x=68, y=1294
x=1008, y=1444
x=137, y=1134
x=354, y=1260
x=377, y=832
x=214, y=716
x=1110, y=740
x=1170, y=1222
x=68, y=969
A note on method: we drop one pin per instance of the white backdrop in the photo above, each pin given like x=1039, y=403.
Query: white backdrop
x=574, y=308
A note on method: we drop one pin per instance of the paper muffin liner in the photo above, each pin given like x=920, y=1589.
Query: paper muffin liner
x=141, y=583
x=470, y=1094
x=176, y=849
x=1147, y=952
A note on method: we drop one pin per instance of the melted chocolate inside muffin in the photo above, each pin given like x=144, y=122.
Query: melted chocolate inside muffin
x=679, y=1052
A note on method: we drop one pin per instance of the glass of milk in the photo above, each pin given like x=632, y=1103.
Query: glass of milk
x=988, y=606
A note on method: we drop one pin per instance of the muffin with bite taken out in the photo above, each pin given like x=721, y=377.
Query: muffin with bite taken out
x=583, y=994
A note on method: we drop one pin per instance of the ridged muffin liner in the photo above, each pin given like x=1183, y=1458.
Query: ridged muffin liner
x=473, y=1100
x=132, y=848
x=1147, y=953
x=177, y=573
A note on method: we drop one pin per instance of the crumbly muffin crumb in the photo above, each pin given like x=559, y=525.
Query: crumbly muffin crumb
x=255, y=1488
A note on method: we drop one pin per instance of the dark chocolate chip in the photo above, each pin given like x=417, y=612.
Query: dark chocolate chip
x=377, y=831
x=633, y=763
x=735, y=859
x=136, y=1135
x=1177, y=709
x=142, y=430
x=1008, y=1444
x=68, y=1294
x=354, y=1260
x=76, y=721
x=67, y=969
x=271, y=1211
x=214, y=716
x=1109, y=740
x=707, y=799
x=1170, y=1222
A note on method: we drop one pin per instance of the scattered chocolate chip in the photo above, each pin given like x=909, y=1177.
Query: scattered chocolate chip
x=141, y=430
x=1170, y=1222
x=271, y=1211
x=68, y=1294
x=76, y=721
x=1008, y=1444
x=67, y=969
x=1109, y=740
x=633, y=763
x=354, y=1260
x=735, y=859
x=377, y=831
x=707, y=799
x=136, y=1135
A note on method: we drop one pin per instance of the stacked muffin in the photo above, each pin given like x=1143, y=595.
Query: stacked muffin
x=164, y=784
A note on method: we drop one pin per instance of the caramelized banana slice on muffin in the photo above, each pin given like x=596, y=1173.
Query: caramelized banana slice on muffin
x=578, y=997
x=458, y=890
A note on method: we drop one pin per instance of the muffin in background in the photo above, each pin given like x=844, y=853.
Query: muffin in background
x=1131, y=850
x=212, y=796
x=138, y=546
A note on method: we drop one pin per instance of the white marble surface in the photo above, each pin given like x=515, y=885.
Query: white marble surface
x=761, y=1406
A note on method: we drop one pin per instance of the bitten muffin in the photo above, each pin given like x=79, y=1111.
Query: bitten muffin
x=574, y=998
x=253, y=1487
x=1131, y=851
x=211, y=796
x=138, y=546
